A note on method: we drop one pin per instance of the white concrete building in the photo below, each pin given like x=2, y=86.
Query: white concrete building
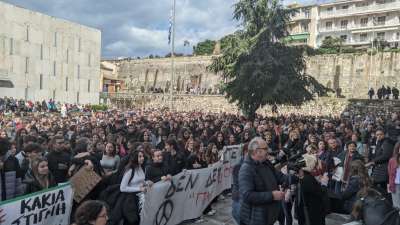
x=46, y=57
x=358, y=22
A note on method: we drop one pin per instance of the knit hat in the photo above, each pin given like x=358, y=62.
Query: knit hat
x=311, y=162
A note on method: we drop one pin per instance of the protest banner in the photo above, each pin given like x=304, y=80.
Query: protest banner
x=189, y=192
x=50, y=206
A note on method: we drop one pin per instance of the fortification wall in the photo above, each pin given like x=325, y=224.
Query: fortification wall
x=352, y=73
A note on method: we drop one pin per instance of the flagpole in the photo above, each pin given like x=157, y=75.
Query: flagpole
x=172, y=58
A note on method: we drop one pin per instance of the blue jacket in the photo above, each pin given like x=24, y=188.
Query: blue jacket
x=256, y=183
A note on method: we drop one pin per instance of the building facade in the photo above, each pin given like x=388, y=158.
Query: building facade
x=43, y=57
x=359, y=22
x=356, y=22
x=302, y=26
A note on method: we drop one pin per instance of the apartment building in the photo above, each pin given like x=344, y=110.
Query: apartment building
x=302, y=26
x=43, y=57
x=357, y=22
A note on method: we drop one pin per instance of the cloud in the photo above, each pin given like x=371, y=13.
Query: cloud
x=140, y=28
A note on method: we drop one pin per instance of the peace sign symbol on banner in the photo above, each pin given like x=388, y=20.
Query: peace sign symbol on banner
x=164, y=213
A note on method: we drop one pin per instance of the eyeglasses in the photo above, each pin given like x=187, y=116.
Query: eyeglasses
x=103, y=216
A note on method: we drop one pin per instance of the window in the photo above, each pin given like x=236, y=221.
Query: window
x=79, y=45
x=88, y=86
x=54, y=94
x=26, y=64
x=398, y=36
x=54, y=68
x=304, y=27
x=307, y=13
x=27, y=33
x=11, y=46
x=361, y=4
x=41, y=82
x=363, y=37
x=77, y=97
x=79, y=71
x=343, y=37
x=380, y=36
x=55, y=39
x=66, y=84
x=364, y=22
x=41, y=52
x=329, y=9
x=381, y=20
x=344, y=7
x=67, y=55
x=343, y=24
x=328, y=25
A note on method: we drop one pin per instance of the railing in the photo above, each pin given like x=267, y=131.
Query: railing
x=127, y=95
x=356, y=26
x=356, y=10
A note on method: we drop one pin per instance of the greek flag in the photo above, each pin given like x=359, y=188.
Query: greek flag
x=186, y=43
x=170, y=26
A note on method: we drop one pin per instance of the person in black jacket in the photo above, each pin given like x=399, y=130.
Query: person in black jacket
x=359, y=180
x=172, y=158
x=59, y=159
x=379, y=159
x=40, y=178
x=157, y=170
x=310, y=195
x=258, y=186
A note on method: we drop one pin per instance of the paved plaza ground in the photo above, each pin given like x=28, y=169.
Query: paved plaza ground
x=223, y=216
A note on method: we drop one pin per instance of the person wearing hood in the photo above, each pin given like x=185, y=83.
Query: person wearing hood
x=310, y=194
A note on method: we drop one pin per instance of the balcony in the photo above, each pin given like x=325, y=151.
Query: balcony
x=376, y=8
x=359, y=27
x=301, y=16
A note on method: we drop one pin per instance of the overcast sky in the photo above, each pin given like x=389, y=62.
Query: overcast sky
x=140, y=27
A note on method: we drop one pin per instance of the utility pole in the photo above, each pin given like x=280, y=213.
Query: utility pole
x=172, y=57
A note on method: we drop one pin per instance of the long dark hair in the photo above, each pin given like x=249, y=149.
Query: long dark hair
x=133, y=162
x=89, y=211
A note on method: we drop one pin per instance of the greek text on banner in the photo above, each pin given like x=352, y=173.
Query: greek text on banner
x=51, y=206
x=189, y=192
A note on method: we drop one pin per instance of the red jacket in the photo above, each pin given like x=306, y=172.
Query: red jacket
x=392, y=167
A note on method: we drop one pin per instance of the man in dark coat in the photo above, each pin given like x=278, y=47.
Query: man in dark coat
x=371, y=93
x=380, y=156
x=395, y=93
x=258, y=187
x=388, y=92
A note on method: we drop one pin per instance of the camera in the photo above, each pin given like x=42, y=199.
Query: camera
x=297, y=164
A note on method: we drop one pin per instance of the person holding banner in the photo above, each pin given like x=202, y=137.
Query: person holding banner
x=259, y=186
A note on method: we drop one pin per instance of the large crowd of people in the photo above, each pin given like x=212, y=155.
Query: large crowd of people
x=333, y=159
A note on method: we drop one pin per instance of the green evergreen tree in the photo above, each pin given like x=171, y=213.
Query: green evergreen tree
x=259, y=69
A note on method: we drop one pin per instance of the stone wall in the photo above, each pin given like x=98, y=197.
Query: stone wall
x=353, y=73
x=208, y=103
x=148, y=73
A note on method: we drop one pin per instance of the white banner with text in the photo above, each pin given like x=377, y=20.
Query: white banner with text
x=189, y=192
x=51, y=206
